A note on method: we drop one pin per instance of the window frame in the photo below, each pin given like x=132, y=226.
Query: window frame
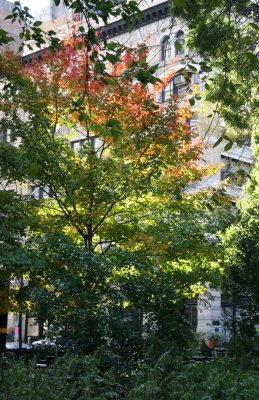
x=180, y=38
x=176, y=88
x=166, y=49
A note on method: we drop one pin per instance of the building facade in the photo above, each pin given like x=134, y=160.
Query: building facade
x=12, y=29
x=50, y=11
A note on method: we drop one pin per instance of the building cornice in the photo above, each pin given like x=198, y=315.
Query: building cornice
x=151, y=14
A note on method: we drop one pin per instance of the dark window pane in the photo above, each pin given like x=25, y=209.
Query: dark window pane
x=165, y=50
x=179, y=39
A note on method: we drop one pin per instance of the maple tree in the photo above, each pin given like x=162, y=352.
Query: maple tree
x=228, y=49
x=105, y=199
x=141, y=148
x=95, y=13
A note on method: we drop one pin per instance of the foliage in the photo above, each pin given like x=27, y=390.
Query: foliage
x=14, y=217
x=228, y=48
x=113, y=240
x=72, y=377
x=225, y=34
x=140, y=150
x=244, y=349
x=241, y=261
x=95, y=13
x=172, y=378
x=241, y=281
x=127, y=296
x=31, y=29
x=102, y=376
x=14, y=259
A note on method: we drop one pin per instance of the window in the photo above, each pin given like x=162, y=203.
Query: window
x=165, y=49
x=190, y=312
x=179, y=44
x=133, y=315
x=40, y=192
x=5, y=135
x=234, y=171
x=78, y=143
x=178, y=86
x=246, y=141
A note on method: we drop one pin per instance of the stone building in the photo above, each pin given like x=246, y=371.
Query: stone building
x=14, y=29
x=49, y=11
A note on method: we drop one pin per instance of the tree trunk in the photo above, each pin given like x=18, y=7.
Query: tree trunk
x=26, y=327
x=20, y=316
x=3, y=313
x=41, y=329
x=20, y=330
x=90, y=236
x=3, y=328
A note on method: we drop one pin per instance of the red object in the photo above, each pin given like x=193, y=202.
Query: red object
x=211, y=344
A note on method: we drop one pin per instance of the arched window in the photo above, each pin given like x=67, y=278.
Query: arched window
x=178, y=86
x=179, y=44
x=165, y=49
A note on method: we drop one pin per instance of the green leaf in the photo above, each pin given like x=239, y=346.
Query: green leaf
x=37, y=23
x=83, y=117
x=254, y=26
x=181, y=70
x=192, y=67
x=112, y=46
x=111, y=123
x=218, y=141
x=228, y=146
x=108, y=81
x=112, y=58
x=154, y=68
x=179, y=3
x=205, y=67
x=77, y=7
x=252, y=56
x=242, y=172
x=209, y=206
x=178, y=45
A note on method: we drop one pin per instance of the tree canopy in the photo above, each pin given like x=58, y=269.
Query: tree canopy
x=113, y=230
x=228, y=49
x=241, y=260
x=225, y=35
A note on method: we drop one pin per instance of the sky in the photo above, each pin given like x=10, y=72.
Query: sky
x=34, y=5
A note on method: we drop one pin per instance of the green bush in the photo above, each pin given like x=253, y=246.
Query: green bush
x=174, y=379
x=106, y=376
x=71, y=378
